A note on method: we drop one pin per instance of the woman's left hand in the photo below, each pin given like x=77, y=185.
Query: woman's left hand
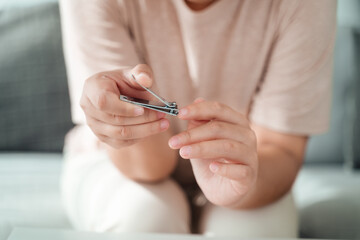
x=222, y=149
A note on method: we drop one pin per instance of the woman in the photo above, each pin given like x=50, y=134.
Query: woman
x=262, y=70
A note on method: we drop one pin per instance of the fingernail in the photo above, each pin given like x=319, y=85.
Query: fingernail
x=183, y=112
x=185, y=151
x=174, y=142
x=214, y=167
x=160, y=115
x=164, y=124
x=144, y=78
x=139, y=111
x=140, y=74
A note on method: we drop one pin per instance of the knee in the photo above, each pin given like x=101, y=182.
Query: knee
x=134, y=207
x=278, y=219
x=160, y=207
x=98, y=198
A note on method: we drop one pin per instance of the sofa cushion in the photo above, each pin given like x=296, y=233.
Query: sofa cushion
x=29, y=192
x=333, y=146
x=356, y=118
x=4, y=4
x=328, y=200
x=34, y=101
x=337, y=144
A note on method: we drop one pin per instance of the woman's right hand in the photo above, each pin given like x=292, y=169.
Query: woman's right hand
x=113, y=121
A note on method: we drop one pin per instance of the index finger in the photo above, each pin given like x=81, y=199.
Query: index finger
x=210, y=110
x=110, y=102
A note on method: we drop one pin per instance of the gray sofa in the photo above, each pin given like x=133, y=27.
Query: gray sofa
x=35, y=115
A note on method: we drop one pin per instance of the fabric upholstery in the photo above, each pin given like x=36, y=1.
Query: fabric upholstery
x=333, y=146
x=4, y=4
x=356, y=118
x=34, y=101
x=327, y=197
x=341, y=144
x=29, y=192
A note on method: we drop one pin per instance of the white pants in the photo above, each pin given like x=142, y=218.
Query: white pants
x=98, y=198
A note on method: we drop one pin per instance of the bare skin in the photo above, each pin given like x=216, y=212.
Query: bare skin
x=237, y=164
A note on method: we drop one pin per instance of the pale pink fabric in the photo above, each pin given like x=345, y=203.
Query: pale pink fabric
x=270, y=59
x=99, y=198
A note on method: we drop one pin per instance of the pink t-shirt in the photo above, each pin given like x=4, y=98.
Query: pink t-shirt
x=271, y=60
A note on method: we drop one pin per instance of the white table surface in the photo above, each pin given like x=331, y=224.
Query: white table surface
x=58, y=234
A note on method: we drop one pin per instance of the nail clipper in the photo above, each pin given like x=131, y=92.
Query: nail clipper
x=162, y=106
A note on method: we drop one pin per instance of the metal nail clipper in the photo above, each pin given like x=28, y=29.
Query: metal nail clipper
x=162, y=106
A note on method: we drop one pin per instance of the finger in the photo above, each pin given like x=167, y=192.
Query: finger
x=122, y=81
x=104, y=95
x=114, y=119
x=211, y=131
x=238, y=172
x=110, y=103
x=115, y=143
x=128, y=132
x=214, y=149
x=104, y=89
x=117, y=120
x=143, y=74
x=207, y=110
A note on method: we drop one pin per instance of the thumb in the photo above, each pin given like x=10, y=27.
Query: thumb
x=143, y=75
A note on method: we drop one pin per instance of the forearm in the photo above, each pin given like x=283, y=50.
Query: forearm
x=278, y=169
x=149, y=160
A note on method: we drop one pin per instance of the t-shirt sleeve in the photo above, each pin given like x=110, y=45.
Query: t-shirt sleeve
x=294, y=96
x=95, y=39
